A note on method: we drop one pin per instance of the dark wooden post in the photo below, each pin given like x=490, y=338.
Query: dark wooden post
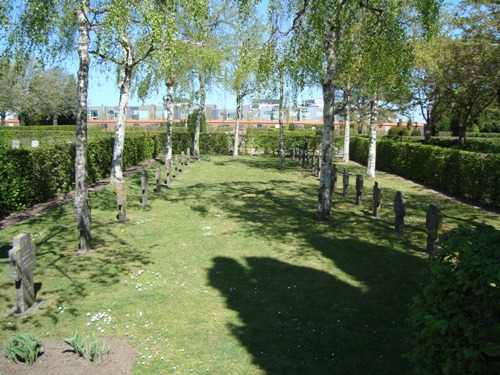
x=377, y=200
x=359, y=189
x=433, y=224
x=400, y=211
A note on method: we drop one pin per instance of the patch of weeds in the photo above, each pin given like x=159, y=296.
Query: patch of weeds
x=205, y=158
x=23, y=347
x=87, y=347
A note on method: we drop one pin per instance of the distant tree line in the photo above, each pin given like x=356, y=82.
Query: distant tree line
x=38, y=96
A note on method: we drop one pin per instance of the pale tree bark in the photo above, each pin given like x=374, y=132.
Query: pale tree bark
x=324, y=190
x=82, y=204
x=54, y=120
x=280, y=116
x=124, y=84
x=201, y=111
x=347, y=123
x=237, y=125
x=372, y=147
x=170, y=116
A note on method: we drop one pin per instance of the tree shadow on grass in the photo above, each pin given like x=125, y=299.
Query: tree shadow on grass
x=300, y=320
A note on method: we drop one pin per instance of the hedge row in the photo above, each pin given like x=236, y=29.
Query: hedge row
x=484, y=145
x=464, y=174
x=30, y=176
x=34, y=175
x=267, y=141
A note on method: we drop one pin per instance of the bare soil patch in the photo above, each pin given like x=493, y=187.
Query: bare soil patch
x=57, y=358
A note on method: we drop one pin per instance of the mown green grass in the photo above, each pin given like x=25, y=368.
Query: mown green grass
x=227, y=272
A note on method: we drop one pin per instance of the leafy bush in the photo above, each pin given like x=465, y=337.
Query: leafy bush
x=23, y=347
x=87, y=347
x=457, y=316
x=416, y=133
x=465, y=174
x=398, y=131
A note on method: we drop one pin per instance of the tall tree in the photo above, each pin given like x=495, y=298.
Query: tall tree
x=242, y=66
x=322, y=21
x=138, y=28
x=53, y=29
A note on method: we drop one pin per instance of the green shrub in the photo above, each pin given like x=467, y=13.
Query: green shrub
x=87, y=347
x=416, y=133
x=22, y=347
x=398, y=131
x=457, y=316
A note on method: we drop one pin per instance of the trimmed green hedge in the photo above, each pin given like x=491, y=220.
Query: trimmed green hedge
x=484, y=145
x=268, y=140
x=29, y=176
x=33, y=175
x=464, y=174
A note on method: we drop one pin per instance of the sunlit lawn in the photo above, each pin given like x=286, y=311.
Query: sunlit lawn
x=227, y=272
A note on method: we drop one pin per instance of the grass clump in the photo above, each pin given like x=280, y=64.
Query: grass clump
x=87, y=347
x=22, y=347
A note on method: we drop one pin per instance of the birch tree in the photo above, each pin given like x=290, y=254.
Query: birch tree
x=323, y=21
x=138, y=28
x=53, y=30
x=243, y=64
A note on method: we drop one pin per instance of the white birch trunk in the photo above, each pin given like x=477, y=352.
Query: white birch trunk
x=372, y=147
x=201, y=111
x=237, y=125
x=124, y=84
x=347, y=123
x=324, y=190
x=82, y=204
x=170, y=116
x=280, y=117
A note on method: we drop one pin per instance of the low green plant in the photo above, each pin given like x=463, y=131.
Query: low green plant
x=87, y=346
x=457, y=316
x=22, y=347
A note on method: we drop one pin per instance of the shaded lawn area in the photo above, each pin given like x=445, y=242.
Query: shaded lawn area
x=227, y=272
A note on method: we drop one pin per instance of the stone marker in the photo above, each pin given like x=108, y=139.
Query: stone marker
x=158, y=178
x=16, y=143
x=377, y=200
x=335, y=177
x=433, y=224
x=188, y=156
x=35, y=143
x=22, y=263
x=345, y=182
x=183, y=162
x=400, y=211
x=144, y=187
x=121, y=201
x=176, y=167
x=168, y=167
x=359, y=189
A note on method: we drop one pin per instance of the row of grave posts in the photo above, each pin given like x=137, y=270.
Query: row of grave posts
x=121, y=192
x=433, y=221
x=308, y=159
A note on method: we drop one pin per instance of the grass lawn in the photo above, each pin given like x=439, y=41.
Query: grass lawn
x=227, y=272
